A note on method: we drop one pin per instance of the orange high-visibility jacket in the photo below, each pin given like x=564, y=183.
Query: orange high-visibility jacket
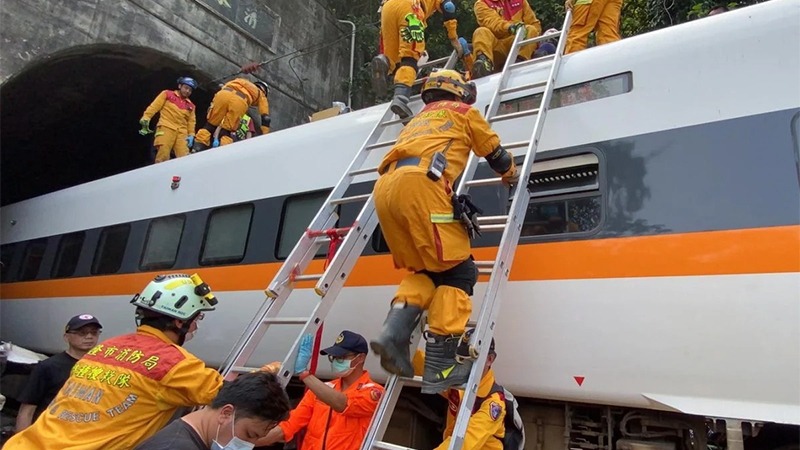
x=485, y=430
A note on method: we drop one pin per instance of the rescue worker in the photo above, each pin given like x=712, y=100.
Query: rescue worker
x=486, y=427
x=227, y=109
x=415, y=204
x=403, y=25
x=175, y=128
x=335, y=415
x=127, y=388
x=244, y=411
x=498, y=22
x=600, y=16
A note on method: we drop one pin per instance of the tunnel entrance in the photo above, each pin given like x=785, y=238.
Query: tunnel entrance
x=73, y=117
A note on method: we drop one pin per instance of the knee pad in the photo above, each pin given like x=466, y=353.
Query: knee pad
x=463, y=276
x=407, y=61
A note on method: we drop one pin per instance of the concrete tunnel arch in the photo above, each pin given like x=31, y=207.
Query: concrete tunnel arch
x=72, y=116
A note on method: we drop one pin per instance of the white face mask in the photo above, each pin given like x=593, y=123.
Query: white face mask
x=234, y=444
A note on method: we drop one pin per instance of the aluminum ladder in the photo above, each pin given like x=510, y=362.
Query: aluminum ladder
x=330, y=282
x=511, y=226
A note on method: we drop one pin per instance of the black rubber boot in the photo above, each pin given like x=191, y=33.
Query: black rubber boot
x=393, y=344
x=379, y=67
x=400, y=101
x=482, y=67
x=441, y=369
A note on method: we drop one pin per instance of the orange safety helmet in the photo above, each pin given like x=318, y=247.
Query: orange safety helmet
x=450, y=81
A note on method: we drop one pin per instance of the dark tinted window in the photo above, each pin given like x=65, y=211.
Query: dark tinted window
x=6, y=258
x=32, y=260
x=571, y=95
x=298, y=212
x=226, y=235
x=69, y=250
x=111, y=249
x=161, y=243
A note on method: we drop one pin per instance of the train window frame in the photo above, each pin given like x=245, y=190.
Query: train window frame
x=379, y=244
x=232, y=258
x=21, y=274
x=795, y=130
x=60, y=252
x=5, y=268
x=100, y=251
x=146, y=265
x=593, y=189
x=534, y=100
x=285, y=210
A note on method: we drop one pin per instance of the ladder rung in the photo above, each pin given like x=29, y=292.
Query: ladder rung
x=531, y=62
x=485, y=220
x=433, y=62
x=354, y=198
x=493, y=227
x=524, y=87
x=518, y=144
x=286, y=320
x=485, y=271
x=540, y=38
x=363, y=171
x=484, y=264
x=484, y=182
x=310, y=277
x=387, y=446
x=391, y=122
x=419, y=81
x=381, y=144
x=514, y=115
x=244, y=369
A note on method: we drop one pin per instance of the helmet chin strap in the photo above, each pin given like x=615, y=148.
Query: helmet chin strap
x=183, y=331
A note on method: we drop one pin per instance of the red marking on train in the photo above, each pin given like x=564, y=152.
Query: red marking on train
x=579, y=380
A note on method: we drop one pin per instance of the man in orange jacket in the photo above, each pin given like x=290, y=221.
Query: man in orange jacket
x=417, y=212
x=227, y=109
x=403, y=25
x=498, y=22
x=336, y=415
x=175, y=128
x=127, y=388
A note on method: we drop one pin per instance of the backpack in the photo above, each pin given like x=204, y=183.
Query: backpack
x=514, y=438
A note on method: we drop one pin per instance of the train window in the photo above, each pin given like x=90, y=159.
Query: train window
x=110, y=249
x=32, y=260
x=570, y=95
x=161, y=244
x=69, y=250
x=379, y=242
x=226, y=235
x=298, y=212
x=6, y=257
x=796, y=139
x=565, y=197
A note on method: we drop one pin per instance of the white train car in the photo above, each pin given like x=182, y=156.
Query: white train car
x=665, y=278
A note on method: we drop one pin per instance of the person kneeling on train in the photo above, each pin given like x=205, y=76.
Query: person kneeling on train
x=428, y=228
x=127, y=388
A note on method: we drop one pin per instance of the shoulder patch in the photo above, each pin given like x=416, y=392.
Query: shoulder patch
x=375, y=394
x=494, y=410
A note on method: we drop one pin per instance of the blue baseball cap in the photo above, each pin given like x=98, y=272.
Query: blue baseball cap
x=347, y=342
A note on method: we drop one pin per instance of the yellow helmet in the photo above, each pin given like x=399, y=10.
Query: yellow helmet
x=450, y=81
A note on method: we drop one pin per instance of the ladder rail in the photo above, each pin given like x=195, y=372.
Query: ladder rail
x=484, y=329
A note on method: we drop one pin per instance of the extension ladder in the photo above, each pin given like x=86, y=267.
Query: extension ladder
x=510, y=225
x=350, y=240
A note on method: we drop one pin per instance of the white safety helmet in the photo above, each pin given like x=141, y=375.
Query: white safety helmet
x=178, y=296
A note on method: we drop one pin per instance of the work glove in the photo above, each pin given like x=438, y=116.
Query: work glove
x=512, y=30
x=304, y=354
x=415, y=31
x=215, y=144
x=272, y=367
x=190, y=140
x=568, y=4
x=465, y=46
x=145, y=123
x=510, y=176
x=250, y=67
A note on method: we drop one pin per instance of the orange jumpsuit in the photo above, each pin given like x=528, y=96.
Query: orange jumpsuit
x=600, y=16
x=492, y=38
x=121, y=392
x=416, y=213
x=486, y=429
x=393, y=20
x=329, y=429
x=177, y=121
x=228, y=107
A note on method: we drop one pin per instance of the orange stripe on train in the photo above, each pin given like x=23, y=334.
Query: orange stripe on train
x=754, y=250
